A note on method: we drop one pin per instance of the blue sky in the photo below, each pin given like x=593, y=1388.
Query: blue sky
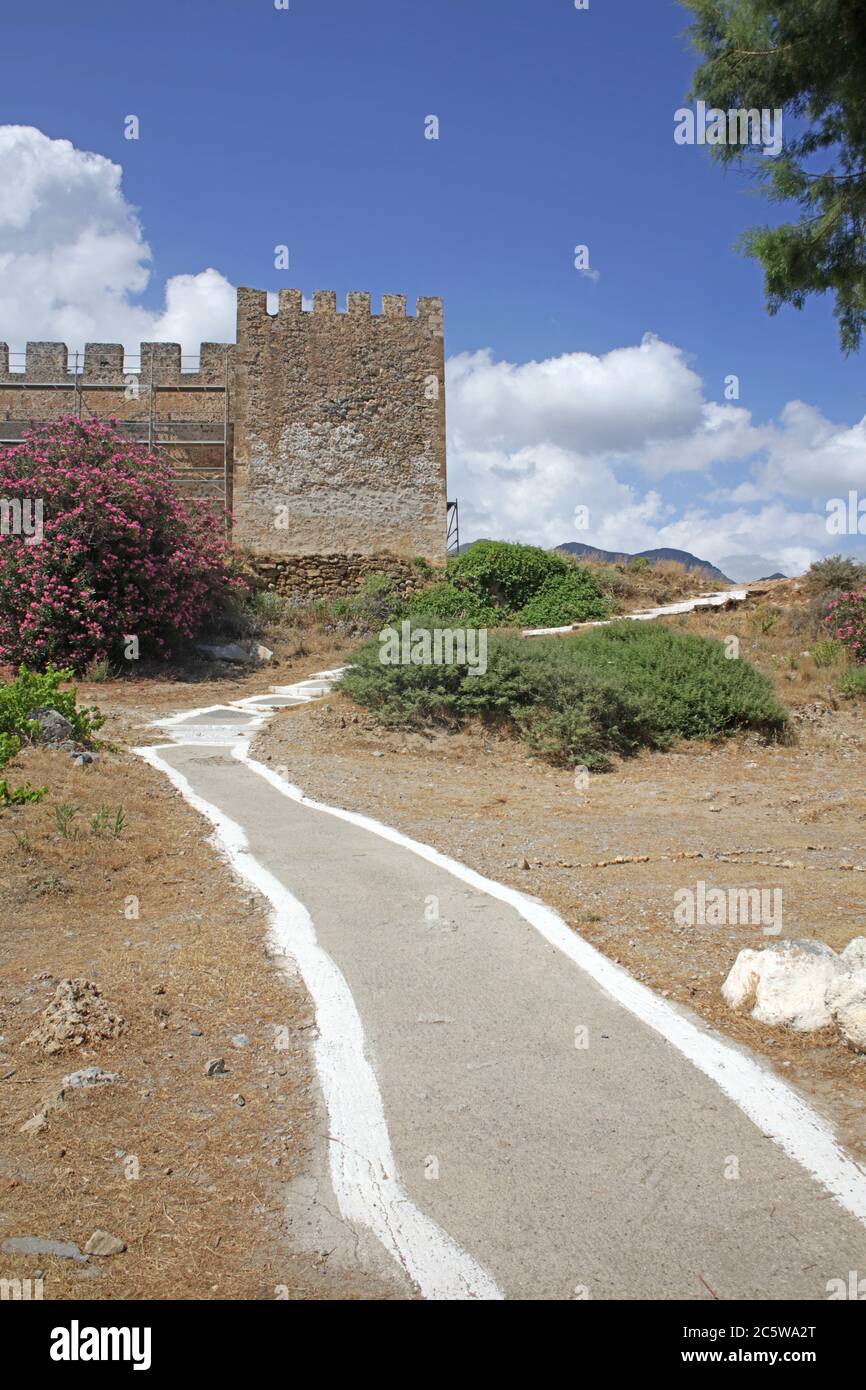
x=306, y=128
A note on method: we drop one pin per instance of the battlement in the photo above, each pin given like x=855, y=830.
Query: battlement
x=102, y=364
x=322, y=429
x=253, y=313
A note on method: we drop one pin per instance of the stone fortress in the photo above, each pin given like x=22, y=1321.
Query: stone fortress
x=322, y=433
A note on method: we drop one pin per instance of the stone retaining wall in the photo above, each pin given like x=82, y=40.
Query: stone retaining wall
x=332, y=576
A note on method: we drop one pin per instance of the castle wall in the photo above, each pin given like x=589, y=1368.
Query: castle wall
x=188, y=408
x=335, y=425
x=339, y=427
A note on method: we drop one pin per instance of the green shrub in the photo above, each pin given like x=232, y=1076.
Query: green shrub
x=444, y=604
x=826, y=653
x=17, y=796
x=372, y=605
x=638, y=563
x=41, y=690
x=835, y=574
x=686, y=684
x=579, y=699
x=565, y=598
x=852, y=683
x=497, y=584
x=33, y=690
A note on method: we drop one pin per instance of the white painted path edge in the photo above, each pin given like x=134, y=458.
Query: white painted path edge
x=361, y=1158
x=714, y=600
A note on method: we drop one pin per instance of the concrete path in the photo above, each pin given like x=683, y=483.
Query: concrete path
x=557, y=1131
x=721, y=599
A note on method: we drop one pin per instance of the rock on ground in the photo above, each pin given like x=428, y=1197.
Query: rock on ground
x=803, y=985
x=54, y=728
x=847, y=1000
x=253, y=655
x=35, y=1245
x=102, y=1243
x=76, y=1014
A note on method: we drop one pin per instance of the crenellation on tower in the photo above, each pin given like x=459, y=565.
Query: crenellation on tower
x=325, y=430
x=46, y=363
x=291, y=303
x=161, y=363
x=394, y=306
x=325, y=302
x=103, y=362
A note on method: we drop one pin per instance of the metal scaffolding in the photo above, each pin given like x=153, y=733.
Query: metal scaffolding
x=147, y=428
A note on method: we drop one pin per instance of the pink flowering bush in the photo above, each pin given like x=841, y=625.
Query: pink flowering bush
x=846, y=619
x=121, y=553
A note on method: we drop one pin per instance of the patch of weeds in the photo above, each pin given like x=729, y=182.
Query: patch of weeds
x=98, y=672
x=852, y=684
x=827, y=653
x=65, y=815
x=20, y=796
x=50, y=886
x=108, y=822
x=764, y=619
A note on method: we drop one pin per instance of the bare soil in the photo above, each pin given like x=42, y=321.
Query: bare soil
x=190, y=1171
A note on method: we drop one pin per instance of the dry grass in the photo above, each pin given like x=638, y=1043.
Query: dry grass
x=666, y=581
x=191, y=1172
x=780, y=632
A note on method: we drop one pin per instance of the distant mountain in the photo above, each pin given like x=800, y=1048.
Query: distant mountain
x=613, y=557
x=765, y=577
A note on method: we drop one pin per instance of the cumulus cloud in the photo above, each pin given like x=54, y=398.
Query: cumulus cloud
x=73, y=257
x=597, y=449
x=607, y=449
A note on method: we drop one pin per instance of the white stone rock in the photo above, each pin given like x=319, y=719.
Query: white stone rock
x=846, y=998
x=786, y=984
x=854, y=954
x=256, y=655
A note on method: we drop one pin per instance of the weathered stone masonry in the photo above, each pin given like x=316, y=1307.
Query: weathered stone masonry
x=339, y=427
x=324, y=432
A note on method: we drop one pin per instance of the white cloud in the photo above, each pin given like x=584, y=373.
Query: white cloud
x=531, y=444
x=73, y=257
x=625, y=435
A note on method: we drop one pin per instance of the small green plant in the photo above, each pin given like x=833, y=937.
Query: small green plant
x=31, y=690
x=852, y=684
x=10, y=744
x=98, y=672
x=263, y=607
x=764, y=619
x=99, y=822
x=19, y=796
x=371, y=606
x=22, y=841
x=827, y=653
x=41, y=690
x=65, y=815
x=638, y=563
x=105, y=821
x=424, y=567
